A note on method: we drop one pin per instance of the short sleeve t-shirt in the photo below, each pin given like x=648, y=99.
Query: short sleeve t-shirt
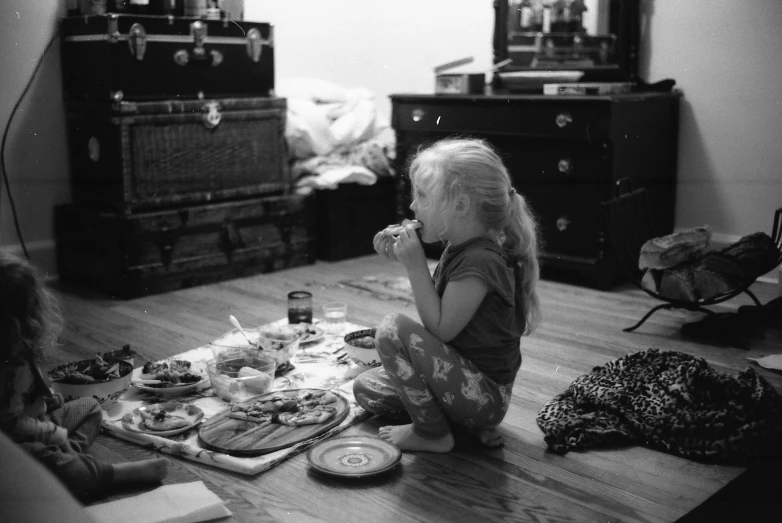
x=491, y=338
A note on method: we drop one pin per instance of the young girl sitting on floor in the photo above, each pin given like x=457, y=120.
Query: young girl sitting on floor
x=58, y=434
x=457, y=369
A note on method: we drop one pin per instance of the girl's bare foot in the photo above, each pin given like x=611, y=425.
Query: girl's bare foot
x=147, y=470
x=490, y=437
x=403, y=437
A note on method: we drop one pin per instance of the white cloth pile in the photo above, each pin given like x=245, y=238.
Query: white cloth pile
x=334, y=134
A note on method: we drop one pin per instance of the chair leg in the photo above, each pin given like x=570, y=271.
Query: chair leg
x=646, y=317
x=754, y=298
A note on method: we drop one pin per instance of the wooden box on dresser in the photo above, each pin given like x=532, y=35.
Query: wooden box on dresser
x=565, y=155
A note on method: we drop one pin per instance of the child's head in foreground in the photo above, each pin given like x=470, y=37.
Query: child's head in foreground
x=29, y=322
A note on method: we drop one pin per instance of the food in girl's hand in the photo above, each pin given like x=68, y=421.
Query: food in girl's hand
x=169, y=374
x=396, y=230
x=87, y=371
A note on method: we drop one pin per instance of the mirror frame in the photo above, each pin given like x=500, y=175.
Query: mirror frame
x=624, y=22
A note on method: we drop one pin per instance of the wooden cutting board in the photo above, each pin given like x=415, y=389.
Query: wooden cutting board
x=249, y=438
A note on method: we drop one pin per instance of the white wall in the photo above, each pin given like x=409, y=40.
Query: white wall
x=388, y=47
x=723, y=54
x=725, y=57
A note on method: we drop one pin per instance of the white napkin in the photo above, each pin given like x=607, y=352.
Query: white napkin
x=181, y=503
x=773, y=362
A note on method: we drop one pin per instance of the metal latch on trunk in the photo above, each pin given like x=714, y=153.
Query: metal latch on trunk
x=254, y=44
x=212, y=115
x=137, y=40
x=198, y=32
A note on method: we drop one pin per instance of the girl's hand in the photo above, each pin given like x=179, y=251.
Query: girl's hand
x=408, y=249
x=384, y=246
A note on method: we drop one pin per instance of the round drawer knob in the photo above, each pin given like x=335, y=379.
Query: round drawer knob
x=418, y=115
x=562, y=223
x=565, y=166
x=563, y=120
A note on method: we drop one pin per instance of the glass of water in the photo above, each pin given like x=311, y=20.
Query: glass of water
x=334, y=313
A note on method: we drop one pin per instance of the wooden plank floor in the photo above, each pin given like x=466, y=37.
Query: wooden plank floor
x=520, y=482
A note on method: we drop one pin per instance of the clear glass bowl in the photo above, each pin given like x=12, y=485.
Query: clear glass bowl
x=240, y=378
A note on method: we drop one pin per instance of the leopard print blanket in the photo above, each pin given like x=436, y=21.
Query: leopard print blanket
x=668, y=401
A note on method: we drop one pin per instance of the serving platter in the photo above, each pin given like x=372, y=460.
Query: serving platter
x=354, y=456
x=135, y=420
x=250, y=438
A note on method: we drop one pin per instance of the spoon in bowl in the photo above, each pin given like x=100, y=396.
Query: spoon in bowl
x=236, y=324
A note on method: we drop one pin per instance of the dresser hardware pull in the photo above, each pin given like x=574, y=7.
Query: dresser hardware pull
x=565, y=166
x=418, y=115
x=563, y=120
x=562, y=223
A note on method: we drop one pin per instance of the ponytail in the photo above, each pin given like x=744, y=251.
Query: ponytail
x=521, y=242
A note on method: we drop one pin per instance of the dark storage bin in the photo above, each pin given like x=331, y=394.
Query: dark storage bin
x=147, y=253
x=146, y=155
x=347, y=218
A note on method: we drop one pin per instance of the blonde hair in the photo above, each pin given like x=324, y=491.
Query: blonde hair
x=454, y=167
x=29, y=316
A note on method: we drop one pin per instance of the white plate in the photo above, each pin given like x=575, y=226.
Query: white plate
x=135, y=421
x=354, y=456
x=307, y=337
x=168, y=392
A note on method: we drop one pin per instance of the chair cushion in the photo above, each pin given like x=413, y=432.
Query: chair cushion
x=671, y=250
x=710, y=274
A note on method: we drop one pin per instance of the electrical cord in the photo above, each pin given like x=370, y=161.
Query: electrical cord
x=5, y=139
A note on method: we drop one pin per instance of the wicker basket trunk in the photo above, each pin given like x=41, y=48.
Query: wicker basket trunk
x=136, y=156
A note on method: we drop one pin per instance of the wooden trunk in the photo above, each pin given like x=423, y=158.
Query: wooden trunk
x=146, y=253
x=119, y=57
x=145, y=155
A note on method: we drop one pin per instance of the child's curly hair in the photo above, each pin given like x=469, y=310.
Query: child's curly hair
x=29, y=316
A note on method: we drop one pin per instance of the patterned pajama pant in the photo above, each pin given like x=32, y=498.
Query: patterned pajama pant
x=424, y=381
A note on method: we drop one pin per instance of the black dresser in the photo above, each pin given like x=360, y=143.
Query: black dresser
x=565, y=154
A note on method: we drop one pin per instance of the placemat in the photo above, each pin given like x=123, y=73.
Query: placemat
x=323, y=364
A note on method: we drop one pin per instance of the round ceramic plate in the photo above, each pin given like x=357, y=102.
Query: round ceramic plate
x=311, y=335
x=168, y=392
x=354, y=456
x=135, y=420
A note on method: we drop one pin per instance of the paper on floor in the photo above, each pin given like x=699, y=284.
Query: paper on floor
x=181, y=503
x=773, y=362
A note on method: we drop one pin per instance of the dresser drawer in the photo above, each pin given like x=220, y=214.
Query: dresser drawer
x=568, y=215
x=555, y=160
x=543, y=118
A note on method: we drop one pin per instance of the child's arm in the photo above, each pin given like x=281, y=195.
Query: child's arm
x=29, y=429
x=446, y=317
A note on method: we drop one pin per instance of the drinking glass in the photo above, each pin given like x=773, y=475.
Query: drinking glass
x=334, y=313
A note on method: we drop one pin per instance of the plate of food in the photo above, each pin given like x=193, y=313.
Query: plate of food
x=163, y=419
x=273, y=421
x=354, y=456
x=309, y=333
x=168, y=378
